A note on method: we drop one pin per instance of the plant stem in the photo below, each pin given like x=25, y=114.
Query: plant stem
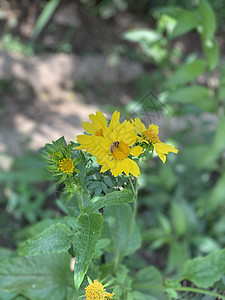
x=132, y=186
x=200, y=291
x=119, y=259
x=80, y=201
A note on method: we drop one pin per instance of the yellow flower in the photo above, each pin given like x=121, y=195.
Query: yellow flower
x=150, y=136
x=96, y=128
x=66, y=165
x=96, y=291
x=114, y=148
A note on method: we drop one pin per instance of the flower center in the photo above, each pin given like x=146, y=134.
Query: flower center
x=95, y=291
x=66, y=165
x=119, y=150
x=150, y=136
x=99, y=132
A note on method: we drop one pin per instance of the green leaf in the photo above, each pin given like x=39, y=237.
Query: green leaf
x=186, y=73
x=178, y=255
x=196, y=94
x=117, y=197
x=186, y=21
x=209, y=158
x=150, y=282
x=101, y=244
x=39, y=227
x=208, y=20
x=211, y=51
x=141, y=35
x=108, y=181
x=117, y=224
x=178, y=218
x=222, y=83
x=207, y=32
x=205, y=271
x=55, y=239
x=8, y=296
x=89, y=228
x=38, y=277
x=6, y=253
x=44, y=17
x=214, y=197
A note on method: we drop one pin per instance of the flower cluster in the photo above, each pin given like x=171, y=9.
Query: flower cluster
x=58, y=158
x=116, y=144
x=96, y=291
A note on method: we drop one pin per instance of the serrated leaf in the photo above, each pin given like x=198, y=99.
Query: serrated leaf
x=186, y=73
x=205, y=271
x=89, y=227
x=117, y=224
x=39, y=227
x=117, y=197
x=150, y=282
x=55, y=239
x=38, y=277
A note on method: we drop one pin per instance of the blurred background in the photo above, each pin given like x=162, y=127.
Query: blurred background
x=163, y=61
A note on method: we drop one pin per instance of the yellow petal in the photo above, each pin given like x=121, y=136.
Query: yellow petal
x=109, y=135
x=114, y=120
x=102, y=119
x=84, y=139
x=134, y=168
x=90, y=128
x=99, y=120
x=130, y=136
x=154, y=129
x=139, y=126
x=135, y=151
x=162, y=149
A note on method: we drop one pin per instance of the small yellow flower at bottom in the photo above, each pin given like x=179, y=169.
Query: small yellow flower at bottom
x=96, y=291
x=66, y=165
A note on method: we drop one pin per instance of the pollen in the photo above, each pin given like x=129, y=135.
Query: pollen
x=121, y=152
x=96, y=291
x=99, y=132
x=66, y=165
x=151, y=136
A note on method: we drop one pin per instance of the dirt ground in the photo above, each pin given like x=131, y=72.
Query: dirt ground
x=51, y=94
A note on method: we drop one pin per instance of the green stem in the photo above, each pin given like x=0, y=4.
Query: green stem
x=132, y=186
x=200, y=291
x=80, y=201
x=181, y=289
x=119, y=258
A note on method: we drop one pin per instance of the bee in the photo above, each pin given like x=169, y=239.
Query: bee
x=114, y=144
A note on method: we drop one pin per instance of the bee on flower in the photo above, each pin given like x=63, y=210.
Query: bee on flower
x=115, y=147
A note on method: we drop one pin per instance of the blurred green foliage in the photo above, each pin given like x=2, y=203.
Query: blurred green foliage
x=182, y=203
